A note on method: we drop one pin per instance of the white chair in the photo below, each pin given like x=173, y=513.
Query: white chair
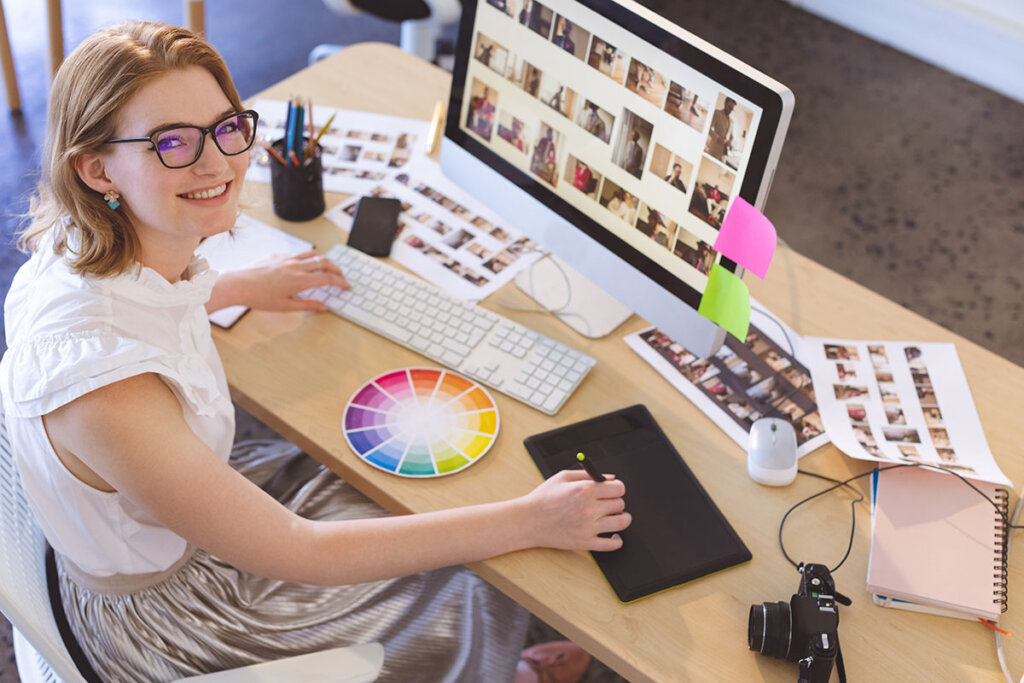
x=418, y=36
x=39, y=650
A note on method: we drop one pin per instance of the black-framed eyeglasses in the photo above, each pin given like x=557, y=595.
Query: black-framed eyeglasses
x=181, y=146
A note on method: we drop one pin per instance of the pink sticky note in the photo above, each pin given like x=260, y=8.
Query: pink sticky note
x=747, y=237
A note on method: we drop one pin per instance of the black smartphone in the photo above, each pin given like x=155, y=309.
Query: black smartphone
x=374, y=225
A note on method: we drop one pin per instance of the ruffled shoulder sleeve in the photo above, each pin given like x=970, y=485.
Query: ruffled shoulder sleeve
x=41, y=374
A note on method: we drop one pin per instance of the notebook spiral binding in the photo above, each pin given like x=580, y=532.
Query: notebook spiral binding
x=1002, y=497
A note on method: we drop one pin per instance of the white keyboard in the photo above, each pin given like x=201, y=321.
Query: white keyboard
x=477, y=343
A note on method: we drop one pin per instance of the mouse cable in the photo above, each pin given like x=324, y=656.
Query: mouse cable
x=554, y=310
x=853, y=510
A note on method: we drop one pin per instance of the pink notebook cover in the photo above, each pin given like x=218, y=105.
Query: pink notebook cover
x=937, y=542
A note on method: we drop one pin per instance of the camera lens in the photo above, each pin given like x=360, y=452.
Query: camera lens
x=769, y=628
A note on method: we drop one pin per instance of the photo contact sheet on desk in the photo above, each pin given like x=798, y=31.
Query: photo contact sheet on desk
x=892, y=401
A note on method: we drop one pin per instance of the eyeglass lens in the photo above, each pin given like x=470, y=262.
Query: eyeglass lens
x=182, y=146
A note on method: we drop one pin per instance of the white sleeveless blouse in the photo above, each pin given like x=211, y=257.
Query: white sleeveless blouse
x=68, y=335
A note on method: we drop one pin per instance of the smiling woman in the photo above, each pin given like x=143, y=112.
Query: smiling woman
x=179, y=552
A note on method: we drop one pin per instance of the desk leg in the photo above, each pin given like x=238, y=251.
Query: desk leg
x=194, y=11
x=55, y=26
x=7, y=64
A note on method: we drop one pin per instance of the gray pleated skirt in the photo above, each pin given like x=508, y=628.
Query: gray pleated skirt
x=204, y=615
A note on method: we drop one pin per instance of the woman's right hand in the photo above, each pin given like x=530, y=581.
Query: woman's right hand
x=570, y=509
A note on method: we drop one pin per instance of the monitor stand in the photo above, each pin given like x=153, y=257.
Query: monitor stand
x=591, y=311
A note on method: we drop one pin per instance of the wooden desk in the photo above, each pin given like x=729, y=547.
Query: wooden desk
x=297, y=371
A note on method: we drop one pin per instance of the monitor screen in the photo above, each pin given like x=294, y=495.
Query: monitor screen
x=636, y=134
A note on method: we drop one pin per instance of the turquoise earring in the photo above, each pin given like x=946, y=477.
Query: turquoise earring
x=112, y=198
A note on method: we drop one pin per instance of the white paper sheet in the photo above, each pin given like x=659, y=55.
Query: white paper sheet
x=742, y=382
x=249, y=242
x=446, y=236
x=891, y=401
x=360, y=149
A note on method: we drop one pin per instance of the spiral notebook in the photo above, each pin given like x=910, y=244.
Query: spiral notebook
x=937, y=545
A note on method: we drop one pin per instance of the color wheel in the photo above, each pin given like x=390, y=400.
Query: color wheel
x=421, y=422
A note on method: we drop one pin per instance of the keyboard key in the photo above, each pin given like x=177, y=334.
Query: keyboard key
x=553, y=400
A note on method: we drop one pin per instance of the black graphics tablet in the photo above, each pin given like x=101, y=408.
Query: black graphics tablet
x=678, y=533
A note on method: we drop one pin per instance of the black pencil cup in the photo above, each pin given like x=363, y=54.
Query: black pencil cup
x=298, y=191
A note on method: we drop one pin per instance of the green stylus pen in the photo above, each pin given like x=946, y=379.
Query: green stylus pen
x=589, y=467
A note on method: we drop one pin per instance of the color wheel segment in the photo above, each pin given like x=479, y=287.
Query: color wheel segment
x=421, y=422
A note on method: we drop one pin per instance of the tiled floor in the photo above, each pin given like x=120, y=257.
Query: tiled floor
x=901, y=176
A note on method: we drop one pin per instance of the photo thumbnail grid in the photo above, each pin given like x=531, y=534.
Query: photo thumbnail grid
x=633, y=175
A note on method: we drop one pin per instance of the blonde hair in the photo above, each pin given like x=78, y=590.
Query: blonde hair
x=90, y=88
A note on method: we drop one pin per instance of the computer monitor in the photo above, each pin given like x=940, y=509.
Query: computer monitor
x=616, y=140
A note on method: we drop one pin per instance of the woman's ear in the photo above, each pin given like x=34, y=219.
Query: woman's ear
x=92, y=171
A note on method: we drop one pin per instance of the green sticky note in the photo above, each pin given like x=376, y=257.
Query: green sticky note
x=726, y=302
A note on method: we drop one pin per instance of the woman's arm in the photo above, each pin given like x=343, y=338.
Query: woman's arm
x=133, y=435
x=272, y=284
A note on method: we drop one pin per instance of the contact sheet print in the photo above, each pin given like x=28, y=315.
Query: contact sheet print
x=741, y=383
x=900, y=402
x=360, y=149
x=446, y=236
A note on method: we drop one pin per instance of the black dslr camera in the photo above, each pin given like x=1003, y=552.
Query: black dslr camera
x=805, y=630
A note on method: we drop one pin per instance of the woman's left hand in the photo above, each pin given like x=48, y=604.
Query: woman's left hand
x=272, y=284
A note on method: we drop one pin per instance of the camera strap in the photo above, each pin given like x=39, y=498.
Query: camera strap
x=840, y=667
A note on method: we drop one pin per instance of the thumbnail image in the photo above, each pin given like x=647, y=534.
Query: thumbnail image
x=940, y=437
x=889, y=393
x=856, y=412
x=903, y=434
x=841, y=352
x=480, y=114
x=537, y=18
x=558, y=96
x=634, y=141
x=646, y=82
x=656, y=226
x=673, y=168
x=584, y=178
x=920, y=376
x=595, y=121
x=932, y=416
x=864, y=436
x=694, y=251
x=878, y=357
x=883, y=376
x=350, y=152
x=544, y=161
x=710, y=199
x=607, y=59
x=571, y=38
x=926, y=395
x=479, y=250
x=499, y=262
x=482, y=223
x=894, y=415
x=618, y=201
x=846, y=371
x=529, y=78
x=908, y=452
x=502, y=5
x=513, y=131
x=491, y=54
x=458, y=239
x=947, y=455
x=775, y=360
x=808, y=427
x=441, y=228
x=914, y=357
x=727, y=136
x=686, y=106
x=845, y=391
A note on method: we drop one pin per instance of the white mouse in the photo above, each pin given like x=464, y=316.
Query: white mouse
x=771, y=452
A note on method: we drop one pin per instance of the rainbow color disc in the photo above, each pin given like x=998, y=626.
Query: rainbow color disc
x=421, y=422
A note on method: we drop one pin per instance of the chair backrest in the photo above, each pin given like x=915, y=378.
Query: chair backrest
x=24, y=598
